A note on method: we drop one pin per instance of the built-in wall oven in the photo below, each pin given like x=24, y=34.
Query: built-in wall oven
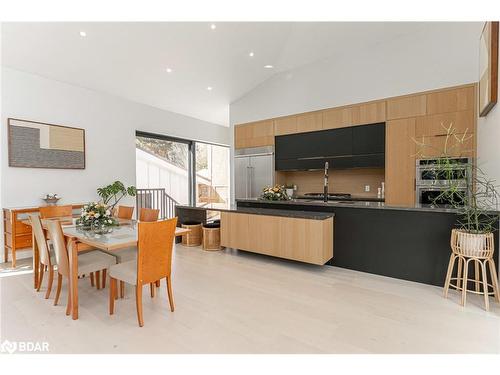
x=433, y=176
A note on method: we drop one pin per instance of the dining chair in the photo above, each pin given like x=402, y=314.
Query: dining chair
x=130, y=253
x=125, y=212
x=55, y=211
x=91, y=261
x=47, y=258
x=148, y=214
x=154, y=262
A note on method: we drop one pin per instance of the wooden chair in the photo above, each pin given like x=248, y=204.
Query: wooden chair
x=128, y=254
x=55, y=211
x=91, y=261
x=125, y=212
x=154, y=262
x=47, y=258
x=148, y=214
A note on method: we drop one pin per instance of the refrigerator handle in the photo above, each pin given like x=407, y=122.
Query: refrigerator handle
x=248, y=181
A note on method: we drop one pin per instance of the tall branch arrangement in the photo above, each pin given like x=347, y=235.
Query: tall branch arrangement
x=113, y=193
x=477, y=205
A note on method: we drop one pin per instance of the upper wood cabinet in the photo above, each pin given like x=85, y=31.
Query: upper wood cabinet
x=337, y=118
x=464, y=146
x=408, y=106
x=309, y=122
x=437, y=124
x=453, y=100
x=285, y=125
x=368, y=113
x=400, y=162
x=254, y=134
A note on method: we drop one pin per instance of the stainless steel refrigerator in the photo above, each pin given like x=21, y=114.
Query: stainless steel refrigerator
x=253, y=171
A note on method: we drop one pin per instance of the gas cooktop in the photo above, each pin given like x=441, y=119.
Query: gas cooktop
x=330, y=195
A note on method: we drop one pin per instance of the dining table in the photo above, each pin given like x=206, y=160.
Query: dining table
x=79, y=239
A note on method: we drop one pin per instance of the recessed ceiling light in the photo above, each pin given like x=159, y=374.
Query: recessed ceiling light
x=169, y=70
x=213, y=26
x=209, y=88
x=268, y=66
x=251, y=54
x=83, y=33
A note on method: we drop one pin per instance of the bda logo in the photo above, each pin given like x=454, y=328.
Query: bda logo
x=8, y=347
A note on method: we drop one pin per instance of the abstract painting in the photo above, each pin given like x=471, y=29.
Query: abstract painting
x=39, y=145
x=488, y=68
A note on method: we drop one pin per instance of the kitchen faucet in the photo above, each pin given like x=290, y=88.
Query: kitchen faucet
x=325, y=183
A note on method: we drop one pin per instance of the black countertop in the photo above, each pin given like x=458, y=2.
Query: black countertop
x=268, y=211
x=351, y=204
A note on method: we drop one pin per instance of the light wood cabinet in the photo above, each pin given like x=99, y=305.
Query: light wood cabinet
x=310, y=122
x=453, y=100
x=285, y=125
x=337, y=118
x=435, y=146
x=254, y=134
x=400, y=162
x=305, y=240
x=408, y=106
x=368, y=113
x=437, y=124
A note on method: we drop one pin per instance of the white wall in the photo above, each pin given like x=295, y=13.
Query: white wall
x=110, y=124
x=423, y=61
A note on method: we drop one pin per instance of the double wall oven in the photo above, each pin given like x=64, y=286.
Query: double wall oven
x=433, y=176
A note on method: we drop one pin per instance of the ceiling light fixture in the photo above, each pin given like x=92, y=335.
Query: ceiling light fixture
x=251, y=54
x=83, y=34
x=268, y=66
x=169, y=70
x=209, y=88
x=213, y=26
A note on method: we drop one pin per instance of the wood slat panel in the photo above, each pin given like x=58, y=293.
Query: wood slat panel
x=409, y=106
x=337, y=118
x=400, y=162
x=437, y=124
x=368, y=113
x=460, y=99
x=285, y=125
x=310, y=122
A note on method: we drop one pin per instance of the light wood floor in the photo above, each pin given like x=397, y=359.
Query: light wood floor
x=236, y=302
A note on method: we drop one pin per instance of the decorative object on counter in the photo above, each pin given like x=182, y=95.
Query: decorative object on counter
x=211, y=236
x=39, y=145
x=275, y=193
x=51, y=199
x=97, y=217
x=488, y=68
x=115, y=192
x=290, y=190
x=476, y=205
x=194, y=237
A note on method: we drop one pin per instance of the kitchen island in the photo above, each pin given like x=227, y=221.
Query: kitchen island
x=410, y=243
x=301, y=235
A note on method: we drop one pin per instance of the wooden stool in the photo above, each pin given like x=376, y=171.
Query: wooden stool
x=466, y=248
x=194, y=237
x=211, y=237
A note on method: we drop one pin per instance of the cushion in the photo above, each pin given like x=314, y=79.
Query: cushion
x=94, y=261
x=123, y=255
x=126, y=271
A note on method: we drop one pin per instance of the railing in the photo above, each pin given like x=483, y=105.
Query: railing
x=157, y=199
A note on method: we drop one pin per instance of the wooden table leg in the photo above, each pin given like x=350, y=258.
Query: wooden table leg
x=36, y=261
x=73, y=277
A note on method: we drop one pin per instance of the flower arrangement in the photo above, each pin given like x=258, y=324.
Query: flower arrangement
x=275, y=193
x=96, y=215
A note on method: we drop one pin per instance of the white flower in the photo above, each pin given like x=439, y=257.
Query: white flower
x=110, y=221
x=97, y=215
x=108, y=212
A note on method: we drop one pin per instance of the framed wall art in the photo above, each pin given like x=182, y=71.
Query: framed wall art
x=39, y=145
x=488, y=68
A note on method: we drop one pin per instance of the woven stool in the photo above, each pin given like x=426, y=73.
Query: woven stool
x=467, y=247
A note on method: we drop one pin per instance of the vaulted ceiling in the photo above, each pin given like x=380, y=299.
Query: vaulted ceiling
x=210, y=63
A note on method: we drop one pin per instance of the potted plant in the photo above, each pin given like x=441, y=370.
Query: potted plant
x=275, y=193
x=477, y=205
x=114, y=193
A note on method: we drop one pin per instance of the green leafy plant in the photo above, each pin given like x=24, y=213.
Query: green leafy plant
x=114, y=193
x=477, y=204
